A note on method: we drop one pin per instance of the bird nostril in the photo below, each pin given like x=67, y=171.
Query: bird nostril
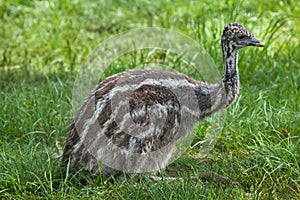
x=254, y=40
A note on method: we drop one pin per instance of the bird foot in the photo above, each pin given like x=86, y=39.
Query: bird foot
x=209, y=177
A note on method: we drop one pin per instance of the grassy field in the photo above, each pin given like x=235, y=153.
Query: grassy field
x=43, y=44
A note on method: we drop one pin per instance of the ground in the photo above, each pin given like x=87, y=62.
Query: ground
x=43, y=44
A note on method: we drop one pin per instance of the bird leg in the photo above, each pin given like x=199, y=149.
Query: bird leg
x=207, y=177
x=210, y=176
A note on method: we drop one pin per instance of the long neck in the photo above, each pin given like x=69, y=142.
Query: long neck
x=230, y=83
x=212, y=98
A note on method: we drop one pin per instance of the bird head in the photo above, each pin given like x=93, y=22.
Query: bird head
x=237, y=36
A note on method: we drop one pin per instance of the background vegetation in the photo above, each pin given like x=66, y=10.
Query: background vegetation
x=44, y=43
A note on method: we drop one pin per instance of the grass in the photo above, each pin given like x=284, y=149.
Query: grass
x=43, y=44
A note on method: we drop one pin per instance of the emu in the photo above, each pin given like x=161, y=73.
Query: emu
x=140, y=136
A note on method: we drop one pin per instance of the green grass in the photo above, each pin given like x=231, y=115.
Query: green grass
x=43, y=44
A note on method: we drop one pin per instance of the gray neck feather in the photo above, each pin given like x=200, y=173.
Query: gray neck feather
x=230, y=81
x=223, y=94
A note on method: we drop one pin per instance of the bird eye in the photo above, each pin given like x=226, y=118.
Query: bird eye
x=241, y=37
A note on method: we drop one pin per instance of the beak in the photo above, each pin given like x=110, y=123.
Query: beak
x=256, y=42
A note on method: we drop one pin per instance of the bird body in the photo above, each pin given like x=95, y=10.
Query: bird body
x=133, y=121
